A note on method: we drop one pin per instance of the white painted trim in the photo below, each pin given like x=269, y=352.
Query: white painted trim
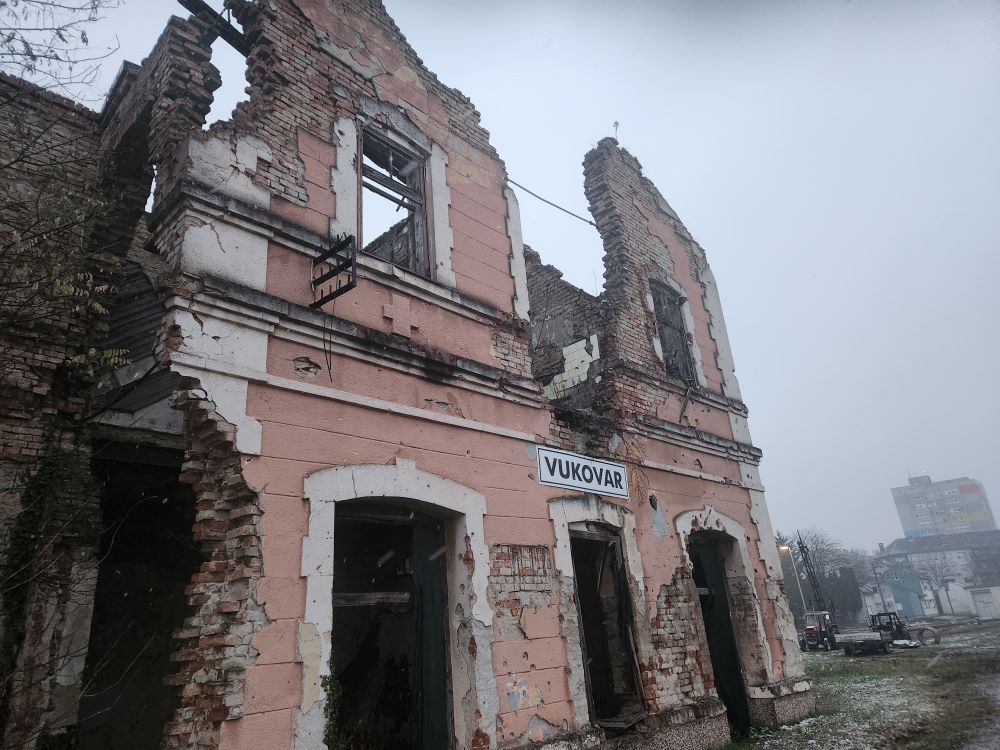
x=517, y=265
x=441, y=237
x=467, y=591
x=717, y=327
x=226, y=250
x=567, y=513
x=741, y=566
x=216, y=351
x=344, y=177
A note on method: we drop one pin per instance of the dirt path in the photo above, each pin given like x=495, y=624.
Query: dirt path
x=987, y=737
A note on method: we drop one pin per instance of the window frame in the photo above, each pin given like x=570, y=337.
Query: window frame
x=384, y=186
x=687, y=371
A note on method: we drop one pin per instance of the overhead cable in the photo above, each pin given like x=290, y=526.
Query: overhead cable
x=554, y=205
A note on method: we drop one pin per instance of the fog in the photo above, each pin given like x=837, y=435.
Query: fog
x=839, y=162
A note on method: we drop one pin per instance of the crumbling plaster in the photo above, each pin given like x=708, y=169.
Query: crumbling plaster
x=227, y=166
x=344, y=177
x=739, y=568
x=233, y=348
x=517, y=264
x=577, y=358
x=574, y=513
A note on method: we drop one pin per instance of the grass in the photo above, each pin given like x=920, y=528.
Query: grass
x=928, y=698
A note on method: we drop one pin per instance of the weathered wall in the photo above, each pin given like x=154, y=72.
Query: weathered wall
x=430, y=370
x=426, y=387
x=48, y=523
x=688, y=440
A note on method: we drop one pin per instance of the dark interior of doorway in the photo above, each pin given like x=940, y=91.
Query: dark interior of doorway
x=147, y=557
x=710, y=578
x=605, y=619
x=389, y=655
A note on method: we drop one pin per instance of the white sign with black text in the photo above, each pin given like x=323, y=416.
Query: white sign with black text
x=576, y=472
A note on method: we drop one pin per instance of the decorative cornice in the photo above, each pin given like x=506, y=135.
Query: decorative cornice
x=277, y=317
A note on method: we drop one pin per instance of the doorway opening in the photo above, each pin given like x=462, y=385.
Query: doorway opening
x=606, y=623
x=389, y=642
x=147, y=557
x=709, y=575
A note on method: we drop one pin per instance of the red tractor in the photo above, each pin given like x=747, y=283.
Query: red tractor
x=819, y=632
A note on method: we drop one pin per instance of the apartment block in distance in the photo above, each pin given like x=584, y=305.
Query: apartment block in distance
x=926, y=507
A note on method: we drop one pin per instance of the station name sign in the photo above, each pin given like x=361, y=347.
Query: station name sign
x=573, y=471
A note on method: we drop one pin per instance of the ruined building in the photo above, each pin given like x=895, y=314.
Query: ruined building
x=334, y=460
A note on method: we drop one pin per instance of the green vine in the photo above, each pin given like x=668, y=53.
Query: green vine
x=62, y=473
x=331, y=686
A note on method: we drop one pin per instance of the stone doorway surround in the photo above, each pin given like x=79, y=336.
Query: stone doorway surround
x=473, y=688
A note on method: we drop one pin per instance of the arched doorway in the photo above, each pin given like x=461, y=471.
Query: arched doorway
x=605, y=611
x=707, y=551
x=354, y=494
x=389, y=646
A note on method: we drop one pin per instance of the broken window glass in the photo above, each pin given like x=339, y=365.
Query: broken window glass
x=393, y=216
x=668, y=305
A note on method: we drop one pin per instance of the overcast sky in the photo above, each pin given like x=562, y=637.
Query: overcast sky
x=840, y=163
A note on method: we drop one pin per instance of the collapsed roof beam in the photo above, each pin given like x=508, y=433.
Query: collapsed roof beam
x=217, y=23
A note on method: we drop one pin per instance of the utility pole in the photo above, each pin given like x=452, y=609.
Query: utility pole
x=798, y=581
x=818, y=597
x=878, y=585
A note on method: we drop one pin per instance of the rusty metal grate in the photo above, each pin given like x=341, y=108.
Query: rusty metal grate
x=337, y=269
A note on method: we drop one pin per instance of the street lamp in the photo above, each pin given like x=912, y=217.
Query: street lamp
x=798, y=581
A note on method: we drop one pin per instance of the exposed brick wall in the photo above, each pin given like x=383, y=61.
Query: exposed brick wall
x=561, y=314
x=49, y=315
x=39, y=334
x=153, y=109
x=643, y=241
x=314, y=59
x=213, y=648
x=681, y=671
x=626, y=408
x=511, y=348
x=312, y=63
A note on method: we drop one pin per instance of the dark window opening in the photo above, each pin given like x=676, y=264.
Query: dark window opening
x=710, y=579
x=147, y=558
x=393, y=209
x=605, y=619
x=668, y=305
x=389, y=646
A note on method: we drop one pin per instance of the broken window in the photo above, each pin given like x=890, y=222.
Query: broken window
x=668, y=305
x=393, y=209
x=605, y=619
x=389, y=642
